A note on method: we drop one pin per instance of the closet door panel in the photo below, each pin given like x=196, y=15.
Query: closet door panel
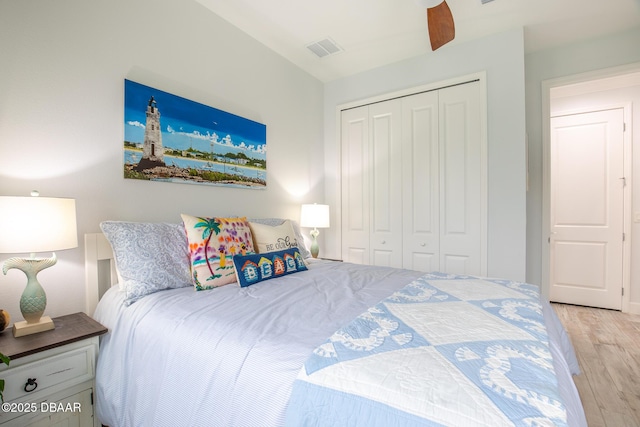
x=355, y=185
x=460, y=179
x=420, y=219
x=386, y=180
x=457, y=264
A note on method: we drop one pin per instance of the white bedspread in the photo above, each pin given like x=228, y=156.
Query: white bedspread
x=229, y=356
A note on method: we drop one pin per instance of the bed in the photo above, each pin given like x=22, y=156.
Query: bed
x=333, y=344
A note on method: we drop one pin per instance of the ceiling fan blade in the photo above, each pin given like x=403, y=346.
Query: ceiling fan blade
x=440, y=23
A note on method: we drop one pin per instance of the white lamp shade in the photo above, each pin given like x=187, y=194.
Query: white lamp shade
x=316, y=216
x=37, y=224
x=428, y=3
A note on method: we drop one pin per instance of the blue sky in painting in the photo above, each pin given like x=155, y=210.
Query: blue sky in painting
x=187, y=124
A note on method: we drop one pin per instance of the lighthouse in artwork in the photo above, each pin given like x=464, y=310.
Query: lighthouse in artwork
x=152, y=150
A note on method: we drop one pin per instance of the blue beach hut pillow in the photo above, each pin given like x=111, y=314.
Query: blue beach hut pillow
x=254, y=268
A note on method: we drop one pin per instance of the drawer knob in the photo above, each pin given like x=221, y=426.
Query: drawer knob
x=30, y=385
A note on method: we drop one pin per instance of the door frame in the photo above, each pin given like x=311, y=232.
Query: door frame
x=621, y=210
x=547, y=86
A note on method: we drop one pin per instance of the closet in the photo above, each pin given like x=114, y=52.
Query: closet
x=413, y=178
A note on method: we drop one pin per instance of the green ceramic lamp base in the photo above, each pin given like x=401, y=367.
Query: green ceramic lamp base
x=33, y=300
x=315, y=249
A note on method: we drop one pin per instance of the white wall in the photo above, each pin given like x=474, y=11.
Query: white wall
x=63, y=64
x=502, y=57
x=617, y=50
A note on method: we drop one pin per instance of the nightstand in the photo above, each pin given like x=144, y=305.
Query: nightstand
x=50, y=379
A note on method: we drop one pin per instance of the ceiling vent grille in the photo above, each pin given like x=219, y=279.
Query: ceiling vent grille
x=324, y=47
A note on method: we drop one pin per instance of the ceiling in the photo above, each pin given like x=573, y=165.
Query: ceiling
x=373, y=33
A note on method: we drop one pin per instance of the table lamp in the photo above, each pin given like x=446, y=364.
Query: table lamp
x=316, y=216
x=30, y=225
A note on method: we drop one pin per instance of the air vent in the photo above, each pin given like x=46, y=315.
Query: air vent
x=324, y=47
x=486, y=1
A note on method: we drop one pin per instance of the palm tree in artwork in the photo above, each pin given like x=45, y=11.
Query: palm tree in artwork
x=210, y=226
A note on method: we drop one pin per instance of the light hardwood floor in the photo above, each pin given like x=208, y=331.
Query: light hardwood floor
x=607, y=344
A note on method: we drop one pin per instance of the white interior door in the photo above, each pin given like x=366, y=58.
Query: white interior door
x=420, y=201
x=461, y=169
x=386, y=183
x=414, y=181
x=355, y=185
x=587, y=212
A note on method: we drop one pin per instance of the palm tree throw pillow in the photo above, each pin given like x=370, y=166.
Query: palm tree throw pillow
x=212, y=244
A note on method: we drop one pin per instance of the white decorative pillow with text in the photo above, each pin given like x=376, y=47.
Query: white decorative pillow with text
x=270, y=238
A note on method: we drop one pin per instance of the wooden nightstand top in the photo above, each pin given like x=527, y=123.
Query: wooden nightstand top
x=68, y=329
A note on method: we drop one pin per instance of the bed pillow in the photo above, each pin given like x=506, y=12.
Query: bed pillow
x=268, y=238
x=150, y=257
x=251, y=269
x=213, y=242
x=296, y=239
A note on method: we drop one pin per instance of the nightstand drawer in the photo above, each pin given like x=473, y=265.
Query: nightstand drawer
x=62, y=370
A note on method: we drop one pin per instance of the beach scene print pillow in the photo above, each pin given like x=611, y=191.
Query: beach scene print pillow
x=213, y=242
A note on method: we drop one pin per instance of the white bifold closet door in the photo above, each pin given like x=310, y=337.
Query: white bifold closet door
x=411, y=182
x=355, y=177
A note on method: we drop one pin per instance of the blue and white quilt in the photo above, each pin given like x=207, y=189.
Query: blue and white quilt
x=443, y=351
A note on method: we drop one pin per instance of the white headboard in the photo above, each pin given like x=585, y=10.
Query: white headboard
x=100, y=268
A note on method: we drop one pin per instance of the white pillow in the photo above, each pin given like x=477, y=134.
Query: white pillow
x=275, y=235
x=150, y=257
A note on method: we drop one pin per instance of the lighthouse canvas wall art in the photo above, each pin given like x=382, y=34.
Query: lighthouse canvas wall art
x=170, y=138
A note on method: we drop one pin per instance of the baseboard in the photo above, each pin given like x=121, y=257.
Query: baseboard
x=634, y=308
